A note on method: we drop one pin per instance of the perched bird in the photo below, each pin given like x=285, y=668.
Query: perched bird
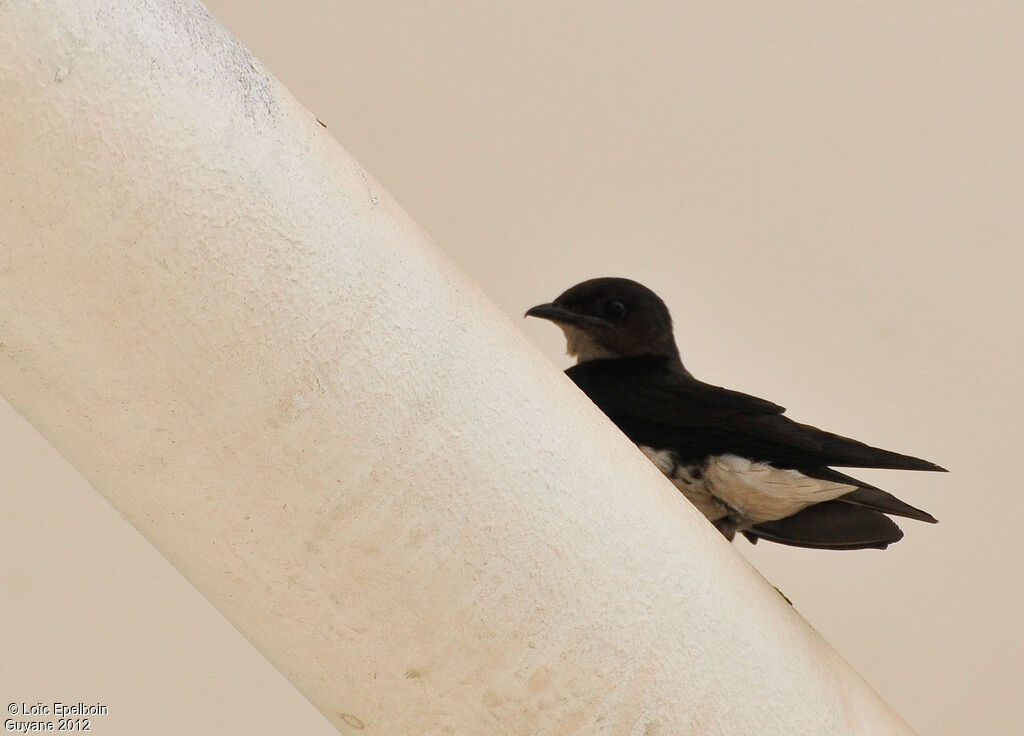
x=737, y=458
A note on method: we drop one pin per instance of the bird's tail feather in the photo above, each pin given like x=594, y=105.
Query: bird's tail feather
x=830, y=525
x=878, y=500
x=869, y=496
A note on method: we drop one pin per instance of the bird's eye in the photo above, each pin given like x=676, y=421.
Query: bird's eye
x=614, y=310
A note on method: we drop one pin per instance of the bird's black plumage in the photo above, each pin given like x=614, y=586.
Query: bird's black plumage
x=658, y=405
x=733, y=454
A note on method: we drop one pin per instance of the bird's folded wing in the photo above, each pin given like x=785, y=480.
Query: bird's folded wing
x=649, y=388
x=660, y=407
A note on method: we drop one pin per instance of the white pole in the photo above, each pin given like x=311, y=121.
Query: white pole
x=250, y=350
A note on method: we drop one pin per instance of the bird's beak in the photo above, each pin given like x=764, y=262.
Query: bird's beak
x=555, y=313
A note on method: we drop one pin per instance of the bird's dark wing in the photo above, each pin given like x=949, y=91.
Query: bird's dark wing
x=649, y=388
x=659, y=405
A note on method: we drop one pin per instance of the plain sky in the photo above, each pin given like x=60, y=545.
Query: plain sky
x=830, y=198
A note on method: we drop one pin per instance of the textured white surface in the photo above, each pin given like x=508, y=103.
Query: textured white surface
x=254, y=355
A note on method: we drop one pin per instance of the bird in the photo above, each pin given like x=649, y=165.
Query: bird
x=739, y=459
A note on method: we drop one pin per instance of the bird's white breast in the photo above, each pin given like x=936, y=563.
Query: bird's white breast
x=689, y=480
x=760, y=492
x=749, y=492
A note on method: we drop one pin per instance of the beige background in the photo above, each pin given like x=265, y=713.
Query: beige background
x=828, y=197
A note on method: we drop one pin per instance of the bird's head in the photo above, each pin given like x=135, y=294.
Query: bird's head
x=611, y=318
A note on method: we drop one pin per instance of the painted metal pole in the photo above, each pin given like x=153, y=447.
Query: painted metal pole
x=249, y=349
